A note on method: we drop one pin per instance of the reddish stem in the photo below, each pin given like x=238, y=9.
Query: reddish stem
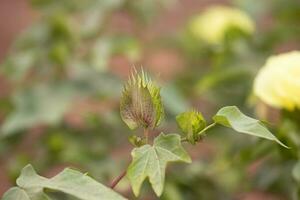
x=117, y=180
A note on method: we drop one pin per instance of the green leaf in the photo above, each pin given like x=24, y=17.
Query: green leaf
x=151, y=161
x=191, y=123
x=296, y=172
x=68, y=181
x=232, y=117
x=41, y=104
x=15, y=193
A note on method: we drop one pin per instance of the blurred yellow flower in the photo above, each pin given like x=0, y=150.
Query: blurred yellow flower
x=212, y=25
x=278, y=82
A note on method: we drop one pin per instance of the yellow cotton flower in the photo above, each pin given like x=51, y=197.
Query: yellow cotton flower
x=278, y=82
x=212, y=25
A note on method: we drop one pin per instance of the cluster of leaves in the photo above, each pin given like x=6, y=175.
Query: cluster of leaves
x=150, y=161
x=138, y=105
x=68, y=50
x=227, y=71
x=61, y=59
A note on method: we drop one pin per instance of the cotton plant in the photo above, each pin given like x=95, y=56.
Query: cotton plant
x=141, y=108
x=277, y=85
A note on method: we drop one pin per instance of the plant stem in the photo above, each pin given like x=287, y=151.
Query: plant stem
x=117, y=180
x=121, y=176
x=207, y=127
x=202, y=131
x=146, y=134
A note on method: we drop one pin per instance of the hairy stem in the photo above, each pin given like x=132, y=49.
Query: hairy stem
x=146, y=134
x=207, y=127
x=117, y=180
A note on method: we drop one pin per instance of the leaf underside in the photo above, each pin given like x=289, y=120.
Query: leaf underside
x=15, y=193
x=69, y=181
x=151, y=161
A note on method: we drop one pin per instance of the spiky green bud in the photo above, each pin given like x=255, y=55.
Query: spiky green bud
x=191, y=123
x=141, y=104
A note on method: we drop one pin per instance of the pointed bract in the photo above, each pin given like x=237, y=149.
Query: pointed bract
x=141, y=104
x=191, y=123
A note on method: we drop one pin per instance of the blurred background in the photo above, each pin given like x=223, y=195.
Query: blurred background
x=63, y=63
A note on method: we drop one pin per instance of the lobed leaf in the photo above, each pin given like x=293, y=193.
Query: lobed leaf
x=69, y=181
x=151, y=161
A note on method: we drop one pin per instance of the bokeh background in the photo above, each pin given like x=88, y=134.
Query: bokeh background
x=63, y=64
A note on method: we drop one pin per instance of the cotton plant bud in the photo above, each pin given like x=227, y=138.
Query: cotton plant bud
x=141, y=104
x=278, y=81
x=191, y=123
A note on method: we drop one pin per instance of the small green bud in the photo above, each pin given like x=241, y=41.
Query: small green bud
x=191, y=123
x=137, y=141
x=141, y=104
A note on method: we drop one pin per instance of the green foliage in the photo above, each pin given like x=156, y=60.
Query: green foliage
x=296, y=172
x=42, y=104
x=140, y=104
x=47, y=103
x=151, y=161
x=232, y=117
x=31, y=186
x=16, y=193
x=191, y=123
x=69, y=55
